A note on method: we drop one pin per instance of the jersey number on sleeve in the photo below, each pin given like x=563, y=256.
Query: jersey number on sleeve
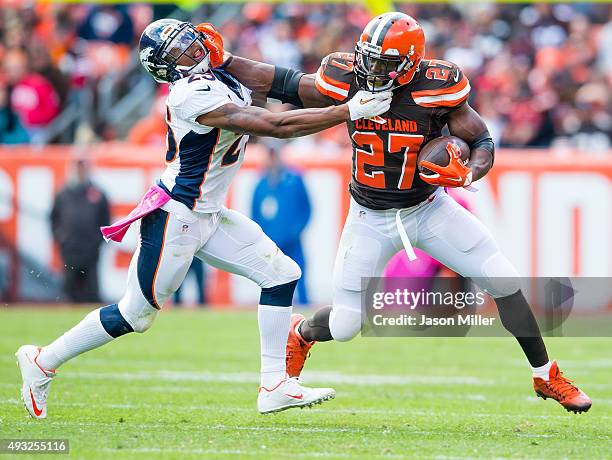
x=370, y=154
x=438, y=70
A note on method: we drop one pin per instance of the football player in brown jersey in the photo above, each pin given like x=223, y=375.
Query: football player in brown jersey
x=391, y=203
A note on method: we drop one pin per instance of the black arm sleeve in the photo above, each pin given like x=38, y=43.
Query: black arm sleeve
x=285, y=86
x=484, y=141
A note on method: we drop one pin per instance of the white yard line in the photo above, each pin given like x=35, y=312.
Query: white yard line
x=253, y=377
x=312, y=377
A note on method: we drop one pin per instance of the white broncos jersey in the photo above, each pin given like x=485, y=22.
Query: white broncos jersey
x=201, y=160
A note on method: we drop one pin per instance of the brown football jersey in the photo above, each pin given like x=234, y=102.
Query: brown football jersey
x=384, y=173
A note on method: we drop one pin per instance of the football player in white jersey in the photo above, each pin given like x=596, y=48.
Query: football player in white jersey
x=209, y=114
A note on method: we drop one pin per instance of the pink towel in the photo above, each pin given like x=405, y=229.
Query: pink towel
x=155, y=198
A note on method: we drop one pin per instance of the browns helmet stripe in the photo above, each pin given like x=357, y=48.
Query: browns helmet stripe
x=370, y=30
x=378, y=26
x=383, y=27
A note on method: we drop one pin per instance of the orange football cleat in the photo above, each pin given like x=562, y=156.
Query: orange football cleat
x=561, y=390
x=297, y=348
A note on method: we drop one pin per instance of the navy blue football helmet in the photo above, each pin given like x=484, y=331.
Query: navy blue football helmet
x=166, y=42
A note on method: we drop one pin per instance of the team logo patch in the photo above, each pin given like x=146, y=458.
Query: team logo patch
x=146, y=53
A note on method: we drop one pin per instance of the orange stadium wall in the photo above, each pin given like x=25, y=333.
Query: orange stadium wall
x=551, y=215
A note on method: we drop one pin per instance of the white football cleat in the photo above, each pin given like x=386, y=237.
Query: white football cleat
x=289, y=393
x=36, y=381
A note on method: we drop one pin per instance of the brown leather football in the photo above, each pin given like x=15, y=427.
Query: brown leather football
x=435, y=152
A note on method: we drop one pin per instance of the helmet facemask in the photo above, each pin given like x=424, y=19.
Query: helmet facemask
x=376, y=71
x=184, y=51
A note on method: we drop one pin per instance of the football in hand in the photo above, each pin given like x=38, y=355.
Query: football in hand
x=435, y=152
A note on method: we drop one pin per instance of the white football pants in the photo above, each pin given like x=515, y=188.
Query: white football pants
x=439, y=226
x=172, y=236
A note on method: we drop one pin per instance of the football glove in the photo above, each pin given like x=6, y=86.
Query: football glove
x=455, y=174
x=214, y=44
x=365, y=104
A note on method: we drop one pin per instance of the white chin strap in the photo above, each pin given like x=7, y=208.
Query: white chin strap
x=201, y=67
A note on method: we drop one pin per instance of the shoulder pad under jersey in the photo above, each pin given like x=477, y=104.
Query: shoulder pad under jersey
x=440, y=84
x=335, y=75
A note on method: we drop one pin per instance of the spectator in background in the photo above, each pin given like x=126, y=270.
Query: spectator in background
x=44, y=66
x=79, y=210
x=282, y=207
x=11, y=129
x=197, y=268
x=278, y=47
x=152, y=130
x=32, y=97
x=589, y=123
x=108, y=23
x=527, y=63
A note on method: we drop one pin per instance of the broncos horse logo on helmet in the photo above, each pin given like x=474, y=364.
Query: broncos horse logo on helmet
x=171, y=49
x=388, y=52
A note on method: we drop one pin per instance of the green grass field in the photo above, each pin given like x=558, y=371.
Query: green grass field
x=187, y=389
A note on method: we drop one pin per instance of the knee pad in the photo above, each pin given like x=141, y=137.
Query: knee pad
x=140, y=316
x=500, y=278
x=283, y=268
x=344, y=323
x=286, y=267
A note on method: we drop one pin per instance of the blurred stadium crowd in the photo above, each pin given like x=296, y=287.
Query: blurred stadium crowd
x=541, y=74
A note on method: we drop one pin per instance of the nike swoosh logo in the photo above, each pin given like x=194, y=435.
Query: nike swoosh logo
x=300, y=396
x=204, y=89
x=37, y=411
x=362, y=102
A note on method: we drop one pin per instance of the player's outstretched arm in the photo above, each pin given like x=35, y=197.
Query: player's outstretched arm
x=295, y=123
x=255, y=75
x=286, y=85
x=262, y=122
x=466, y=124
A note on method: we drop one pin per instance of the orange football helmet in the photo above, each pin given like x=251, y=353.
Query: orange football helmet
x=389, y=52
